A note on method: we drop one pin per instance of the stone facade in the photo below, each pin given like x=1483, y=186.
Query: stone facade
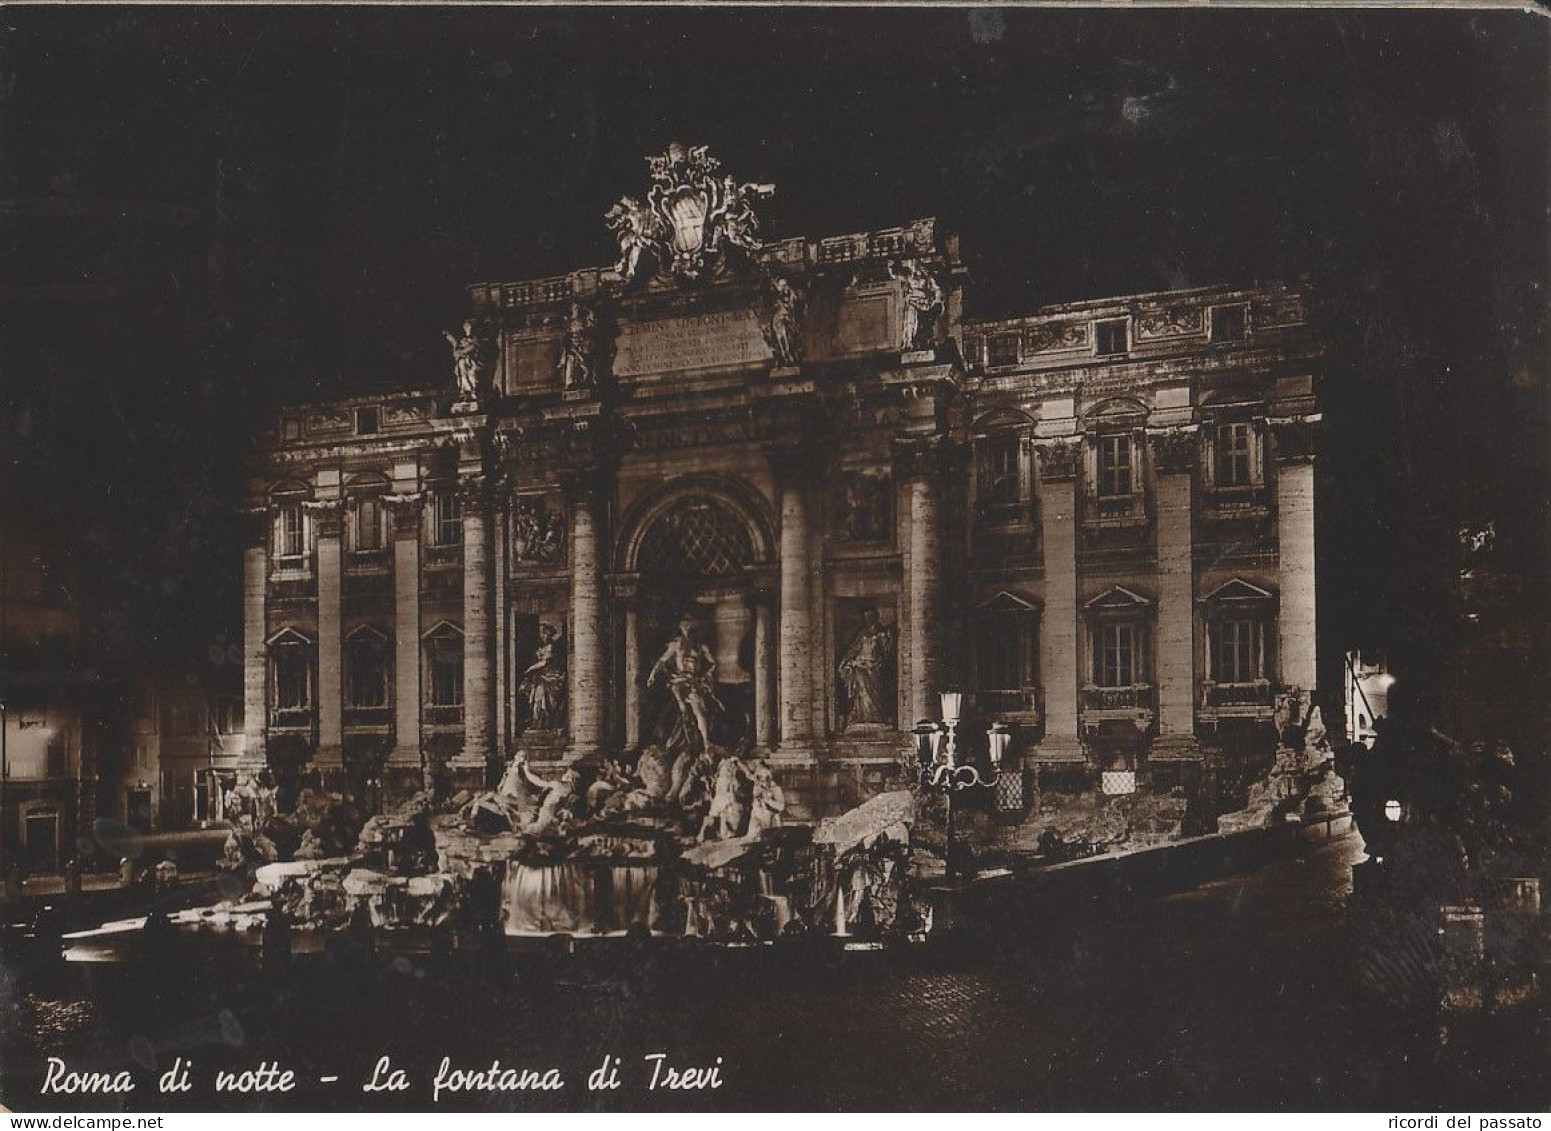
x=1097, y=520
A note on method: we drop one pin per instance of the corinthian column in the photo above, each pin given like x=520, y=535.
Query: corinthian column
x=795, y=644
x=923, y=463
x=587, y=667
x=405, y=511
x=478, y=658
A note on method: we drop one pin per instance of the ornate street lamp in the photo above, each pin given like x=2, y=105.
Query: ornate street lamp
x=938, y=766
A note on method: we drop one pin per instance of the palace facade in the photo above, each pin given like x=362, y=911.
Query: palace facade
x=1096, y=520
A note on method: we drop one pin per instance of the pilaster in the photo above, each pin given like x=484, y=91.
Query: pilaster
x=1059, y=461
x=1174, y=460
x=404, y=511
x=255, y=584
x=328, y=521
x=1296, y=655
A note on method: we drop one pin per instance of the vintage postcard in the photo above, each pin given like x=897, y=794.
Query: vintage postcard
x=773, y=558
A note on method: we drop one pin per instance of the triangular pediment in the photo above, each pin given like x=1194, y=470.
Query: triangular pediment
x=1005, y=602
x=1238, y=590
x=288, y=638
x=1117, y=597
x=441, y=629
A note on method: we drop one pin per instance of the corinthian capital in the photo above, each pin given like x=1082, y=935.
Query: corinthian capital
x=1057, y=459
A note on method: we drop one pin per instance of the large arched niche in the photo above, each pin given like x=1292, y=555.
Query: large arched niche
x=691, y=548
x=644, y=522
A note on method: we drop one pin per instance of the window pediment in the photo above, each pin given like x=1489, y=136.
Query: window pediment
x=288, y=638
x=442, y=630
x=1005, y=602
x=1238, y=592
x=1117, y=600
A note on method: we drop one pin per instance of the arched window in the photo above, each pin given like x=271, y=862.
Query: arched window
x=696, y=537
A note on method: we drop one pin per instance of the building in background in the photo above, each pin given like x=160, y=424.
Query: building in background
x=48, y=701
x=181, y=757
x=797, y=472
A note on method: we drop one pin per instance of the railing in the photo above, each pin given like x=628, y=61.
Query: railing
x=368, y=716
x=1229, y=502
x=290, y=720
x=1008, y=701
x=1256, y=693
x=444, y=716
x=1135, y=697
x=1117, y=506
x=444, y=555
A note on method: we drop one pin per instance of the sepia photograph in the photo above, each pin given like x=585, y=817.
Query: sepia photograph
x=674, y=558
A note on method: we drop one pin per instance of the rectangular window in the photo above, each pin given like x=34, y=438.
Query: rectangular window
x=366, y=421
x=1110, y=337
x=293, y=683
x=1238, y=651
x=447, y=519
x=1115, y=659
x=1227, y=323
x=446, y=670
x=999, y=654
x=292, y=541
x=1002, y=349
x=368, y=686
x=1235, y=455
x=368, y=524
x=1000, y=480
x=1115, y=465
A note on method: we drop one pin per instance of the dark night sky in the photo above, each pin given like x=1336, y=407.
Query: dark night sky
x=208, y=213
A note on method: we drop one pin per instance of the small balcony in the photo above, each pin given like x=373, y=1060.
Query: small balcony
x=443, y=716
x=368, y=718
x=1231, y=504
x=1253, y=700
x=1116, y=510
x=1135, y=704
x=450, y=554
x=1020, y=703
x=291, y=720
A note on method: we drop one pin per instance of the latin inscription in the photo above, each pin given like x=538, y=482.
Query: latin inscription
x=720, y=340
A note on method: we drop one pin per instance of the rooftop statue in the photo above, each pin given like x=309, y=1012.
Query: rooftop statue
x=471, y=364
x=924, y=304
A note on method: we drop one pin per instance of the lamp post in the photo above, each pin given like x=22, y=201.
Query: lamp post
x=938, y=766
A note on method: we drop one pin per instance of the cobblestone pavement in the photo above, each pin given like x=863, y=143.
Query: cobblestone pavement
x=1233, y=996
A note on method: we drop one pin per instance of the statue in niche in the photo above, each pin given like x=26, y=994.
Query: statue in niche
x=543, y=681
x=865, y=673
x=925, y=301
x=536, y=531
x=689, y=671
x=578, y=356
x=471, y=362
x=783, y=328
x=864, y=508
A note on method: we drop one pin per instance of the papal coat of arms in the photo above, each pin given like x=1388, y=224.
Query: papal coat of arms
x=692, y=214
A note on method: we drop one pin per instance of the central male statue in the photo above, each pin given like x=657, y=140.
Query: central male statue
x=690, y=671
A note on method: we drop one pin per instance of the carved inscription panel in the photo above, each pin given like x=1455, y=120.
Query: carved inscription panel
x=724, y=339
